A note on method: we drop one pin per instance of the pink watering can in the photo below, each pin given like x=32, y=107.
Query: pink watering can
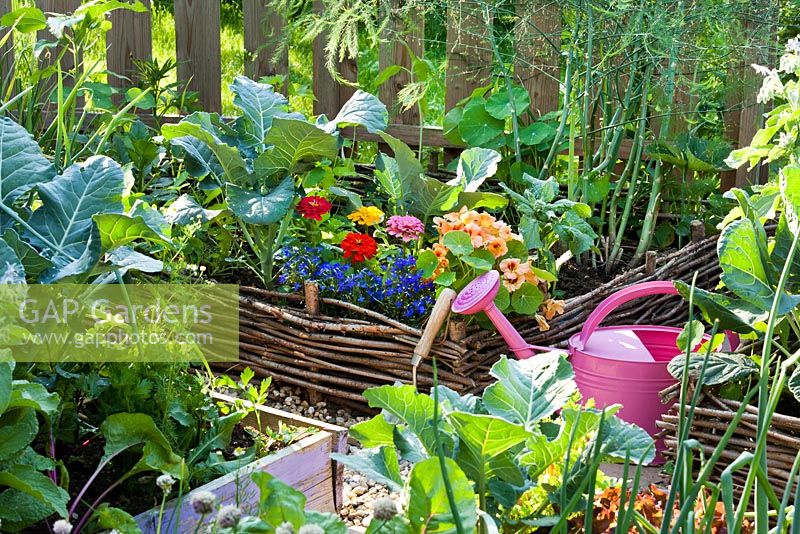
x=612, y=364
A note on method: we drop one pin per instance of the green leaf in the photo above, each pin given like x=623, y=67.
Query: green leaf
x=794, y=383
x=475, y=165
x=743, y=271
x=106, y=517
x=374, y=432
x=125, y=430
x=6, y=378
x=11, y=269
x=458, y=242
x=34, y=264
x=206, y=128
x=527, y=299
x=481, y=265
x=427, y=262
x=387, y=73
x=529, y=390
x=19, y=426
x=118, y=230
x=721, y=368
x=620, y=440
x=697, y=332
x=499, y=104
x=127, y=258
x=477, y=127
x=33, y=395
x=185, y=210
x=296, y=145
x=411, y=408
x=574, y=425
x=380, y=464
x=19, y=510
x=22, y=165
x=490, y=201
x=428, y=505
x=450, y=125
x=28, y=480
x=733, y=314
x=536, y=133
x=260, y=104
x=278, y=502
x=503, y=298
x=387, y=174
x=445, y=279
x=27, y=19
x=63, y=224
x=363, y=109
x=255, y=208
x=329, y=522
x=396, y=525
x=484, y=438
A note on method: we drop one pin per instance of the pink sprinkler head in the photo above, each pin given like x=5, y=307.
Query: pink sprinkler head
x=478, y=296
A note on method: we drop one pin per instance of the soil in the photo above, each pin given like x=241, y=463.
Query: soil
x=575, y=280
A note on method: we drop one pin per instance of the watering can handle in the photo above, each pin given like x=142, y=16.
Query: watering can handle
x=628, y=294
x=612, y=302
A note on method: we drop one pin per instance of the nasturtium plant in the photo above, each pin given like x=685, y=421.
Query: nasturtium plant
x=496, y=447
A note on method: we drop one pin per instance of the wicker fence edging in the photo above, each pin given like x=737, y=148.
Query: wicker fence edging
x=336, y=350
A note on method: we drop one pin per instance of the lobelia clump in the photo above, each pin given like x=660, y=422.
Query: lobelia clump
x=392, y=285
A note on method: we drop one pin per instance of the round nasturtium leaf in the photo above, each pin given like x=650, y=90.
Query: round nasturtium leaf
x=527, y=299
x=477, y=127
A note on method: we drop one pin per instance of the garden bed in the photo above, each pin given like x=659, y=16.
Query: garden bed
x=304, y=465
x=338, y=349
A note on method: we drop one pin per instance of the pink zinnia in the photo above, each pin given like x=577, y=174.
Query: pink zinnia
x=406, y=227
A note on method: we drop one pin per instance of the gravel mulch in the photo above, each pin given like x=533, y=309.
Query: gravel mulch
x=360, y=492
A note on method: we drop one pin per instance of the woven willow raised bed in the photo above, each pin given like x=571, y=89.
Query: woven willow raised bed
x=714, y=415
x=336, y=350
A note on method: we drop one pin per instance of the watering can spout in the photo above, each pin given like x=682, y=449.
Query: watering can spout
x=478, y=296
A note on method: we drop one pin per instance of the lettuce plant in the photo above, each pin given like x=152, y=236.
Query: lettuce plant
x=492, y=449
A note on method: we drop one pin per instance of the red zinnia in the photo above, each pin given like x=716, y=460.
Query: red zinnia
x=359, y=247
x=313, y=207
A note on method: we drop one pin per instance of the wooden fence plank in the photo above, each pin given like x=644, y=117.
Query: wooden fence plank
x=329, y=94
x=130, y=38
x=538, y=65
x=399, y=36
x=469, y=55
x=263, y=27
x=7, y=50
x=197, y=43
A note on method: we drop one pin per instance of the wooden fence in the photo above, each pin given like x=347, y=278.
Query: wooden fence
x=197, y=32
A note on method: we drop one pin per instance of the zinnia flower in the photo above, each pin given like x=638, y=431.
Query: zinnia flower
x=359, y=247
x=406, y=227
x=313, y=207
x=366, y=215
